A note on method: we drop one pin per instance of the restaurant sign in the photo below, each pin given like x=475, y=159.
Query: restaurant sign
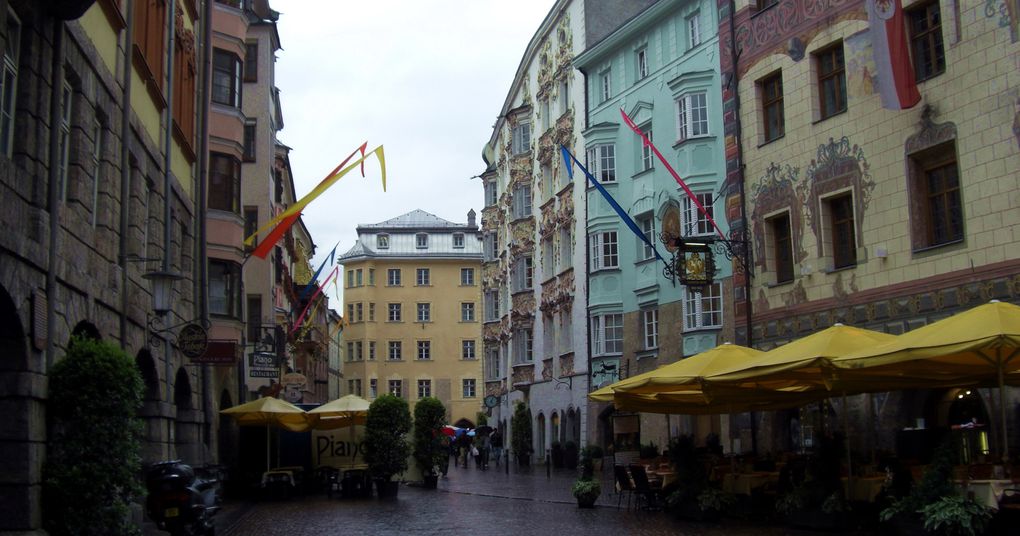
x=263, y=365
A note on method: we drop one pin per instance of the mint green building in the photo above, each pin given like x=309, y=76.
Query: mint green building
x=662, y=68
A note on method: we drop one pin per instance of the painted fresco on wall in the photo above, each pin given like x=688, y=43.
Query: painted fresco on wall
x=860, y=65
x=836, y=167
x=774, y=192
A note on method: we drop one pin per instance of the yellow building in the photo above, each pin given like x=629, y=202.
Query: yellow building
x=412, y=304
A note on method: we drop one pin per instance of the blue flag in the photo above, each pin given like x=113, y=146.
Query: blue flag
x=315, y=277
x=567, y=158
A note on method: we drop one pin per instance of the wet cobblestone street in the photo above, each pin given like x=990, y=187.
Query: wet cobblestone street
x=472, y=501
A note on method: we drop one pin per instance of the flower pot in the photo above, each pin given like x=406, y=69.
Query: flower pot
x=524, y=460
x=431, y=482
x=386, y=488
x=587, y=501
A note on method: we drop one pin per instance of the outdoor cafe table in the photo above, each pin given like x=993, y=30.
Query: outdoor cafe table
x=744, y=483
x=864, y=488
x=985, y=492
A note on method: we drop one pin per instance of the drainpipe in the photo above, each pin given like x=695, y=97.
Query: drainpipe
x=734, y=80
x=199, y=289
x=168, y=184
x=53, y=197
x=125, y=173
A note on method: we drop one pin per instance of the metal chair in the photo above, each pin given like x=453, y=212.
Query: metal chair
x=642, y=488
x=623, y=484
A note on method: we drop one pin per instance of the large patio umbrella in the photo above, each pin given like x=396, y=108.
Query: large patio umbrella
x=979, y=344
x=345, y=411
x=683, y=375
x=800, y=363
x=269, y=412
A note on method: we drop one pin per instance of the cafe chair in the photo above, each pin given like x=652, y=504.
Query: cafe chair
x=642, y=487
x=623, y=484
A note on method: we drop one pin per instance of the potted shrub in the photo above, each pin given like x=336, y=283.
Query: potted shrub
x=429, y=451
x=594, y=454
x=586, y=492
x=556, y=453
x=386, y=448
x=934, y=503
x=93, y=460
x=570, y=454
x=817, y=501
x=520, y=434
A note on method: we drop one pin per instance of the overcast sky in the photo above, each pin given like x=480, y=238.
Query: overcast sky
x=424, y=78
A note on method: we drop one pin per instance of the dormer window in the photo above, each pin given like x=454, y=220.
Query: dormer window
x=458, y=240
x=421, y=240
x=382, y=241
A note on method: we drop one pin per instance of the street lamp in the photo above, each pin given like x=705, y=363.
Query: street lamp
x=162, y=289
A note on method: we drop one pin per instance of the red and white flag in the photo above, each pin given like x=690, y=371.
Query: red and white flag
x=896, y=82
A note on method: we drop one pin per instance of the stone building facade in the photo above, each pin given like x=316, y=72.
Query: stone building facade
x=98, y=178
x=883, y=219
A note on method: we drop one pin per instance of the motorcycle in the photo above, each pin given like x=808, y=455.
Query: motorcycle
x=180, y=502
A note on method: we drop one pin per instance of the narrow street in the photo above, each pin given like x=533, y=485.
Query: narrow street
x=472, y=501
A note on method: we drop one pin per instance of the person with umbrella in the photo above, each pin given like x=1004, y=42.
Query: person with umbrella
x=496, y=440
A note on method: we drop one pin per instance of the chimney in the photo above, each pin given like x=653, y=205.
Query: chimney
x=471, y=218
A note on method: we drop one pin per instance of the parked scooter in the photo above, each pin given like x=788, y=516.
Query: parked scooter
x=179, y=502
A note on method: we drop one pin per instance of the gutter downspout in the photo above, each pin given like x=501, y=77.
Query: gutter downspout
x=734, y=80
x=125, y=173
x=53, y=196
x=168, y=190
x=199, y=289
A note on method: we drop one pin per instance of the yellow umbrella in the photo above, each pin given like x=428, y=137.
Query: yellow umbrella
x=345, y=411
x=269, y=411
x=800, y=363
x=687, y=374
x=979, y=344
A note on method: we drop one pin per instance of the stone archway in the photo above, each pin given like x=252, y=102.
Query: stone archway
x=152, y=418
x=187, y=425
x=24, y=420
x=226, y=433
x=87, y=330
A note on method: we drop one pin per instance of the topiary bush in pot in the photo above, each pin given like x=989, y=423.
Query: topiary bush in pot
x=93, y=456
x=386, y=448
x=429, y=451
x=520, y=434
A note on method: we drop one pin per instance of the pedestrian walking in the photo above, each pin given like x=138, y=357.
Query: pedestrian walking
x=497, y=445
x=486, y=448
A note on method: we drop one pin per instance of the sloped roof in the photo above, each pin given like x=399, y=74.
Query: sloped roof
x=416, y=219
x=357, y=249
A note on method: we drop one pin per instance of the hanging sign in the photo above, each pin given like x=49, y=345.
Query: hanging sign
x=193, y=341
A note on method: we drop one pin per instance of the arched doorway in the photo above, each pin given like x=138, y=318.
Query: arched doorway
x=186, y=423
x=554, y=429
x=153, y=425
x=225, y=433
x=19, y=405
x=540, y=436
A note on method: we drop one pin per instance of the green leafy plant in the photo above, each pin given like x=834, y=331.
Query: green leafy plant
x=955, y=515
x=936, y=484
x=691, y=477
x=520, y=433
x=386, y=428
x=651, y=450
x=586, y=491
x=592, y=451
x=93, y=455
x=429, y=452
x=715, y=499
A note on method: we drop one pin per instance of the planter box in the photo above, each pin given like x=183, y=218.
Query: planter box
x=387, y=489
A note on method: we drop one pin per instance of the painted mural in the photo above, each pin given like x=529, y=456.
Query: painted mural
x=774, y=192
x=860, y=65
x=836, y=167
